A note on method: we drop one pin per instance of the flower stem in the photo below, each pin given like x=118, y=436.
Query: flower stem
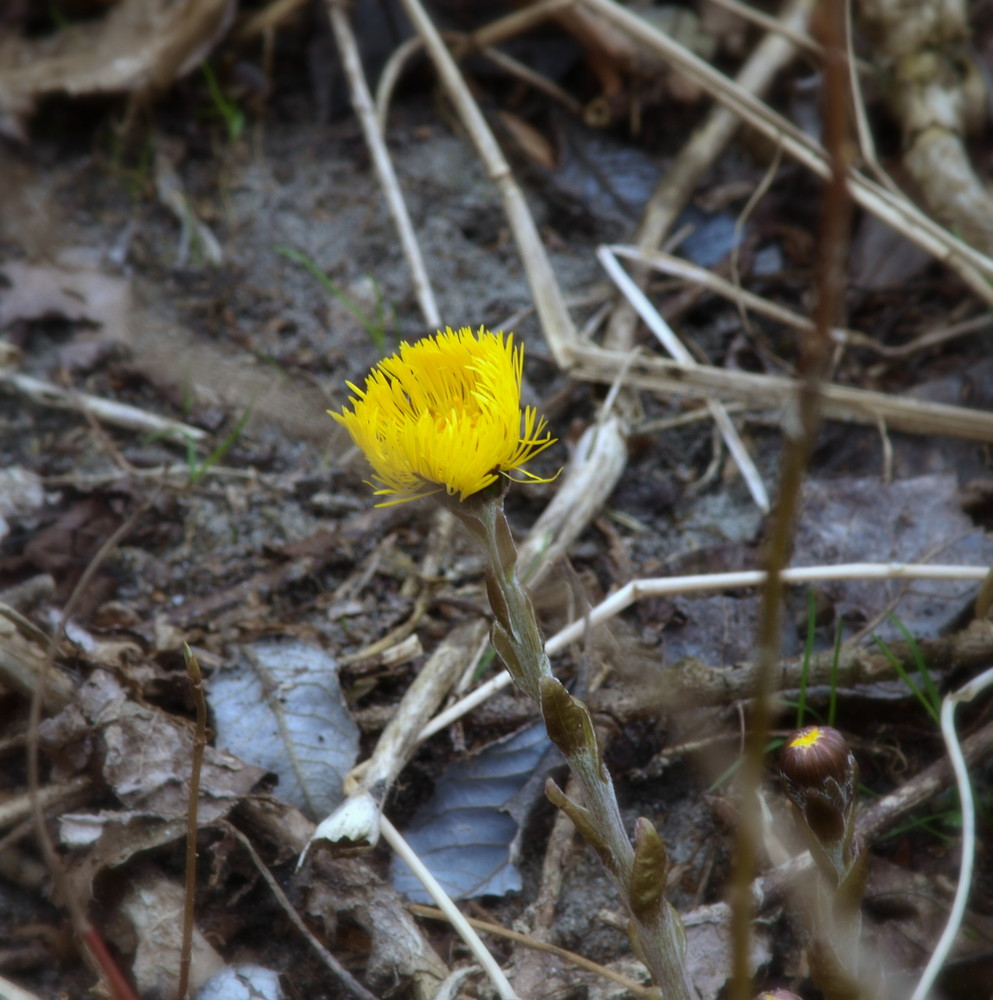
x=639, y=872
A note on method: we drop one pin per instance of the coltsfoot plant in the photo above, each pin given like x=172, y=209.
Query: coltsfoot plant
x=442, y=418
x=820, y=777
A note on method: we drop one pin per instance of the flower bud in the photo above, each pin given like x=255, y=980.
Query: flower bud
x=779, y=994
x=820, y=776
x=814, y=754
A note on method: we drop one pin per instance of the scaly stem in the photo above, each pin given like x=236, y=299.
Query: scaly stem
x=639, y=872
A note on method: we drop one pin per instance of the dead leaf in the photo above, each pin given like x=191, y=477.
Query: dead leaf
x=149, y=922
x=139, y=45
x=531, y=142
x=143, y=755
x=80, y=296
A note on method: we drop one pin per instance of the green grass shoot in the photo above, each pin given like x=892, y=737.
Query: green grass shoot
x=199, y=469
x=374, y=326
x=234, y=117
x=808, y=649
x=922, y=669
x=932, y=707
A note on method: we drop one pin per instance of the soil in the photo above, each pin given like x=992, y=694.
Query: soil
x=268, y=530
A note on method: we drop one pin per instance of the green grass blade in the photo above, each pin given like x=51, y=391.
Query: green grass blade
x=198, y=471
x=906, y=678
x=922, y=668
x=808, y=650
x=373, y=327
x=833, y=696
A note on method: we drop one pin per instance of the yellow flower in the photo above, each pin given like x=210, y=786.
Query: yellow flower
x=445, y=414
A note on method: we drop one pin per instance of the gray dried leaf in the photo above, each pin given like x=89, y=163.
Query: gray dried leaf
x=464, y=833
x=911, y=520
x=282, y=709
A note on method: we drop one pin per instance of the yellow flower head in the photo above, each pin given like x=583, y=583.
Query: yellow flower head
x=445, y=414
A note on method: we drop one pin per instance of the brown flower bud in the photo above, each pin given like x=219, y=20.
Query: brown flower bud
x=814, y=754
x=820, y=776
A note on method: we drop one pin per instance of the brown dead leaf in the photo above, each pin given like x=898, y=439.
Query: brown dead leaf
x=531, y=142
x=149, y=921
x=144, y=756
x=139, y=45
x=66, y=547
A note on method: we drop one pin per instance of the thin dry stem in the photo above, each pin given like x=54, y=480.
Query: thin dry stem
x=452, y=914
x=488, y=927
x=799, y=446
x=190, y=894
x=365, y=112
x=861, y=406
x=974, y=267
x=702, y=150
x=347, y=981
x=107, y=410
x=555, y=321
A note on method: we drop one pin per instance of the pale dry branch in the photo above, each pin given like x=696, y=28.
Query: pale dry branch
x=703, y=148
x=555, y=321
x=915, y=416
x=704, y=684
x=108, y=411
x=451, y=911
x=664, y=333
x=972, y=265
x=365, y=112
x=941, y=951
x=580, y=961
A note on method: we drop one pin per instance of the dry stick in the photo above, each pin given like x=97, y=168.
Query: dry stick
x=18, y=807
x=484, y=38
x=972, y=265
x=107, y=410
x=703, y=148
x=678, y=267
x=516, y=23
x=341, y=974
x=362, y=103
x=554, y=317
x=966, y=693
x=451, y=911
x=800, y=440
x=644, y=992
x=860, y=406
x=87, y=933
x=777, y=26
x=664, y=333
x=199, y=743
x=264, y=21
x=523, y=72
x=703, y=685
